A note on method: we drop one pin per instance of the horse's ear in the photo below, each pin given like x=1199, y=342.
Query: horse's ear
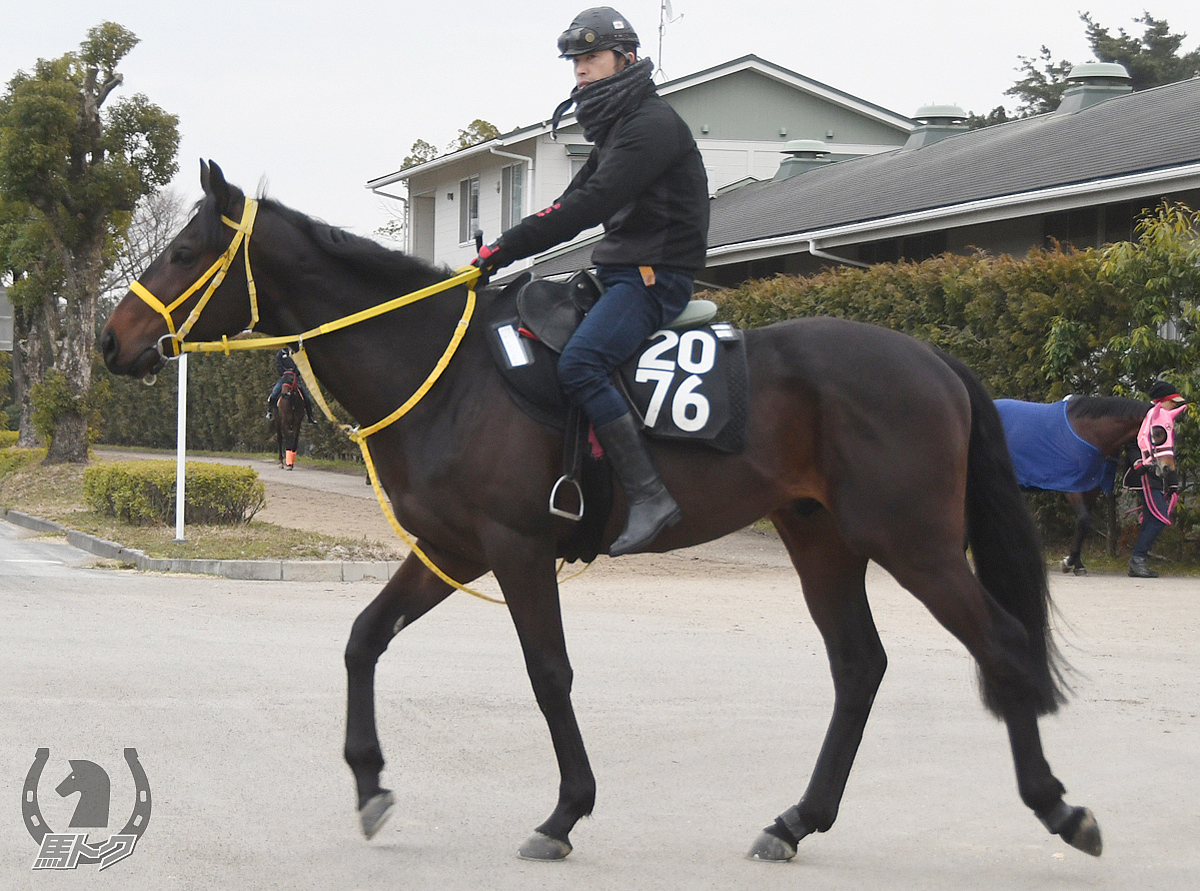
x=212, y=180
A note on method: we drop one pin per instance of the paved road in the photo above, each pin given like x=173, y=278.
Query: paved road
x=702, y=689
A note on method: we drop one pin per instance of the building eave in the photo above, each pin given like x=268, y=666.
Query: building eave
x=1001, y=207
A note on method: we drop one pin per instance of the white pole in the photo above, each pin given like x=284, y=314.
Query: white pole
x=181, y=447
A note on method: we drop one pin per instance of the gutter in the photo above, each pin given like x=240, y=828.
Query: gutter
x=816, y=252
x=1129, y=186
x=527, y=198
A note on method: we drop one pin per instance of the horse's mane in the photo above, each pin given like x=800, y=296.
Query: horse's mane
x=1106, y=407
x=366, y=256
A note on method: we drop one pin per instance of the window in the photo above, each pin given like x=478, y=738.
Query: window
x=468, y=209
x=512, y=196
x=578, y=155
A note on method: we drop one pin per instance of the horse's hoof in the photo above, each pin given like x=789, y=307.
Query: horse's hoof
x=543, y=847
x=375, y=812
x=771, y=849
x=1085, y=834
x=1066, y=564
x=1080, y=570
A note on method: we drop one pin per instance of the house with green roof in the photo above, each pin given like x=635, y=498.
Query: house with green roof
x=742, y=114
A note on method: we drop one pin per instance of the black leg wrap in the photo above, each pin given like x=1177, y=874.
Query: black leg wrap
x=789, y=827
x=1058, y=817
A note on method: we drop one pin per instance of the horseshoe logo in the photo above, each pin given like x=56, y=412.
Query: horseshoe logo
x=36, y=823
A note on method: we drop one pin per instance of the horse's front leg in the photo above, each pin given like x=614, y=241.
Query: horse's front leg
x=524, y=567
x=412, y=592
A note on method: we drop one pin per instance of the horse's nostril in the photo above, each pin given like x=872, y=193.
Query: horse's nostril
x=109, y=347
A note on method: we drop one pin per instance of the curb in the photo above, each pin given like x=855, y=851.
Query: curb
x=248, y=570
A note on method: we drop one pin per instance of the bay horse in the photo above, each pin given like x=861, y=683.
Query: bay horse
x=1071, y=447
x=862, y=444
x=286, y=418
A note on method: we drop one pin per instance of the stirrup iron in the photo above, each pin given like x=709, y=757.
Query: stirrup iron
x=559, y=512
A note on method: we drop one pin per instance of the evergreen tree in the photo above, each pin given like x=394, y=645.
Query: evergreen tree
x=71, y=172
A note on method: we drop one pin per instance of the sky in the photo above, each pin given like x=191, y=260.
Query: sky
x=307, y=101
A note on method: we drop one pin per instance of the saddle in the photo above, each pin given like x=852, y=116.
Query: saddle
x=551, y=311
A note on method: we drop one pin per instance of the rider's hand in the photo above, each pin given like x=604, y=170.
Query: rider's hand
x=491, y=258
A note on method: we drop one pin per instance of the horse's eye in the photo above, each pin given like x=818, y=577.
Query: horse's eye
x=183, y=256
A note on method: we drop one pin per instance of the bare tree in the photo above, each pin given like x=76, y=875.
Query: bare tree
x=156, y=220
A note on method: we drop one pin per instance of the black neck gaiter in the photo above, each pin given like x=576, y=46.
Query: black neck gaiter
x=599, y=105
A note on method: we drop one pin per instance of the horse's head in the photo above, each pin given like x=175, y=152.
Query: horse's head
x=1156, y=438
x=85, y=776
x=194, y=287
x=290, y=383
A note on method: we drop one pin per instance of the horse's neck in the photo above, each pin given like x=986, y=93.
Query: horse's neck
x=1108, y=434
x=372, y=367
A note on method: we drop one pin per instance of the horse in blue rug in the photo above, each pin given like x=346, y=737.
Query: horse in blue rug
x=1071, y=446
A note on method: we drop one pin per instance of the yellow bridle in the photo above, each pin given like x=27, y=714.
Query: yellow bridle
x=216, y=273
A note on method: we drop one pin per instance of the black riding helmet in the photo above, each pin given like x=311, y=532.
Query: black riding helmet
x=595, y=29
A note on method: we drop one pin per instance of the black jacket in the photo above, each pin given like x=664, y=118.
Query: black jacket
x=646, y=183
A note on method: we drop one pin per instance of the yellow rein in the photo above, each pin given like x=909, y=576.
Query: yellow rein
x=217, y=272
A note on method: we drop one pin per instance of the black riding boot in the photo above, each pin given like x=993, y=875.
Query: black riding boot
x=1140, y=569
x=651, y=507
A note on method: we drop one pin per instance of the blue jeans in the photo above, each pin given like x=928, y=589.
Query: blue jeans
x=626, y=314
x=1151, y=526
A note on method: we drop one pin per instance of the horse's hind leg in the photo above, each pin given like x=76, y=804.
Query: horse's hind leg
x=1001, y=647
x=834, y=589
x=1082, y=504
x=412, y=592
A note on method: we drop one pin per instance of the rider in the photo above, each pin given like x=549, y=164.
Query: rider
x=1155, y=487
x=284, y=363
x=645, y=181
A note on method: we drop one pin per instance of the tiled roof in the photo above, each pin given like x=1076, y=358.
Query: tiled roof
x=1142, y=131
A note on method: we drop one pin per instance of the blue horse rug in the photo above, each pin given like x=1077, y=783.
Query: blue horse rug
x=1047, y=453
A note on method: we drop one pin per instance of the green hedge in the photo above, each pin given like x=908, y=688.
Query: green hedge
x=1036, y=328
x=143, y=492
x=13, y=459
x=8, y=438
x=227, y=403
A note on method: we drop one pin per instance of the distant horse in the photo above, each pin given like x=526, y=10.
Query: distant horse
x=862, y=444
x=286, y=417
x=1071, y=447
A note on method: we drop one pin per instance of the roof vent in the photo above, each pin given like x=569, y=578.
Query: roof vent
x=935, y=123
x=1094, y=82
x=802, y=155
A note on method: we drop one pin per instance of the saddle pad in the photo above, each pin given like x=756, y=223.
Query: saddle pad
x=690, y=385
x=1046, y=452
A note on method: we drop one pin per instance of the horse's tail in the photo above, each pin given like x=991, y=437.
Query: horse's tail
x=1006, y=547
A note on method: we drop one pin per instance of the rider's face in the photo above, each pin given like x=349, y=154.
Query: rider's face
x=591, y=67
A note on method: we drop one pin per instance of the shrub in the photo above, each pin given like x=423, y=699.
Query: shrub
x=13, y=459
x=8, y=438
x=143, y=492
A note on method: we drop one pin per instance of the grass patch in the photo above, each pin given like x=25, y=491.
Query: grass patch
x=55, y=492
